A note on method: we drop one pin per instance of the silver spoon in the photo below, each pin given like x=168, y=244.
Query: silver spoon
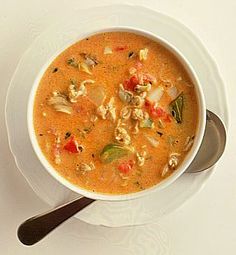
x=36, y=228
x=213, y=144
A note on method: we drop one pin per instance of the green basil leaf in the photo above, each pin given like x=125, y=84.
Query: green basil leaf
x=176, y=108
x=112, y=152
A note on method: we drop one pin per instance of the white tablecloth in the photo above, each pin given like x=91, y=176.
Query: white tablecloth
x=204, y=225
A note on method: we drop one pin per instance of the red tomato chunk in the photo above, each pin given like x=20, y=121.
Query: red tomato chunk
x=131, y=83
x=72, y=146
x=126, y=167
x=120, y=48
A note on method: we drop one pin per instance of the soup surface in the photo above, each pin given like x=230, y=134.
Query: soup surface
x=115, y=113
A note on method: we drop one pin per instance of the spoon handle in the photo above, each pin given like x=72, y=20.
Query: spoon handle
x=34, y=229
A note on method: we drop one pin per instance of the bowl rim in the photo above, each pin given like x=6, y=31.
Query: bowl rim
x=164, y=183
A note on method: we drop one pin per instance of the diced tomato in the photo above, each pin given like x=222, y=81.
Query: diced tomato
x=126, y=167
x=72, y=146
x=157, y=112
x=167, y=117
x=120, y=48
x=128, y=86
x=134, y=80
x=131, y=162
x=131, y=83
x=147, y=104
x=160, y=112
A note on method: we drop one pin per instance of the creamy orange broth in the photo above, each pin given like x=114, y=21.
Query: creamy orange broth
x=52, y=126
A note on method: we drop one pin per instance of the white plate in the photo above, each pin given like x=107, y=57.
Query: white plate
x=114, y=214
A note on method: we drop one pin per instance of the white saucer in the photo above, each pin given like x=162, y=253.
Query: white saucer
x=114, y=214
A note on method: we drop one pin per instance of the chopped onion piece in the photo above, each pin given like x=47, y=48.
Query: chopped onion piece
x=84, y=67
x=89, y=62
x=96, y=95
x=86, y=81
x=82, y=89
x=172, y=92
x=59, y=102
x=107, y=51
x=63, y=108
x=156, y=94
x=132, y=70
x=152, y=141
x=143, y=54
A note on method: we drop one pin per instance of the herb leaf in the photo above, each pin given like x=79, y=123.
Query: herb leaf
x=72, y=62
x=176, y=108
x=87, y=130
x=112, y=152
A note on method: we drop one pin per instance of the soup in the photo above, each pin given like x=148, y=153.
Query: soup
x=115, y=113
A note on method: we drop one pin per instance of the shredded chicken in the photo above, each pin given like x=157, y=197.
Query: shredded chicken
x=125, y=95
x=75, y=92
x=108, y=111
x=173, y=160
x=93, y=118
x=137, y=114
x=85, y=167
x=143, y=88
x=121, y=135
x=59, y=102
x=136, y=128
x=102, y=111
x=125, y=112
x=141, y=158
x=111, y=110
x=137, y=101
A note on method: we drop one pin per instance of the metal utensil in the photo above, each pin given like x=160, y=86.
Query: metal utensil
x=213, y=144
x=34, y=229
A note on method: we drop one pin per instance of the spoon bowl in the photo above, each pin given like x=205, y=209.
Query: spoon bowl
x=213, y=144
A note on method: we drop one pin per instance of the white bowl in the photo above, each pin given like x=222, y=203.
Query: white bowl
x=184, y=165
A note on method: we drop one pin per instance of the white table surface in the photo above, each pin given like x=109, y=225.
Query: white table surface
x=204, y=225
